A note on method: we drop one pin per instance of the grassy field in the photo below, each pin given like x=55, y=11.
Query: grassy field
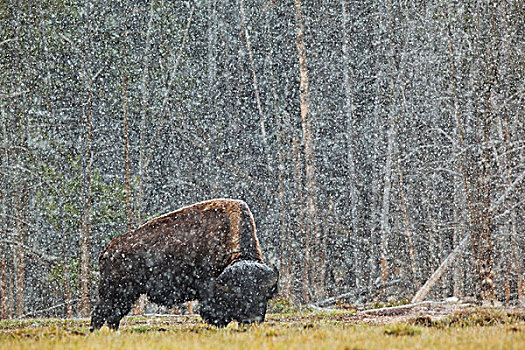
x=478, y=329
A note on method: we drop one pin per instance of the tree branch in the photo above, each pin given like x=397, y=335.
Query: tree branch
x=51, y=259
x=7, y=41
x=509, y=189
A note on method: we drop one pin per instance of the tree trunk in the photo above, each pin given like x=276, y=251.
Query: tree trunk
x=4, y=230
x=3, y=287
x=482, y=221
x=125, y=114
x=300, y=221
x=387, y=179
x=212, y=53
x=84, y=259
x=20, y=265
x=20, y=208
x=262, y=118
x=286, y=260
x=140, y=306
x=313, y=239
x=460, y=149
x=506, y=158
x=85, y=226
x=68, y=300
x=385, y=211
x=350, y=147
x=459, y=229
x=19, y=269
x=144, y=111
x=408, y=233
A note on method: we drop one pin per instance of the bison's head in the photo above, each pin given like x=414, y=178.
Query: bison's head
x=241, y=293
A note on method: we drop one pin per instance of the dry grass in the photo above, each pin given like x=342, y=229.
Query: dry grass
x=478, y=329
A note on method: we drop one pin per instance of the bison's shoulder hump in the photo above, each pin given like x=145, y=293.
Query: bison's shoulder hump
x=225, y=205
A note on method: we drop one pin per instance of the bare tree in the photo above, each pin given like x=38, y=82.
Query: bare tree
x=84, y=260
x=85, y=226
x=125, y=116
x=314, y=243
x=19, y=254
x=262, y=117
x=504, y=122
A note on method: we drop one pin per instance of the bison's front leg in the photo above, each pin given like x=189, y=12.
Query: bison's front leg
x=104, y=306
x=106, y=310
x=111, y=311
x=121, y=306
x=99, y=316
x=112, y=306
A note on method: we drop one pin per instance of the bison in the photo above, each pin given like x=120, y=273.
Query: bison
x=206, y=251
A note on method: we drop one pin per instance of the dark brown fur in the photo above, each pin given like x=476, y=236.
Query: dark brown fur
x=175, y=257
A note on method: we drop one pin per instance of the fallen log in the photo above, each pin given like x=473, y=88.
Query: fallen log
x=440, y=271
x=333, y=300
x=37, y=312
x=394, y=310
x=353, y=295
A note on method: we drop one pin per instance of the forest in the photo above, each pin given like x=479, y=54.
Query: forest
x=379, y=144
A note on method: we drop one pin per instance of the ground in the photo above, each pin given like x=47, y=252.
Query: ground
x=423, y=326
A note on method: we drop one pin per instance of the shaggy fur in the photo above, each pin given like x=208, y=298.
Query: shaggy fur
x=179, y=256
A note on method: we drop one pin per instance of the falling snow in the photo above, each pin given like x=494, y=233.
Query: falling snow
x=379, y=144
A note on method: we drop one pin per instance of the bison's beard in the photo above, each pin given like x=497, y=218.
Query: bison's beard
x=215, y=312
